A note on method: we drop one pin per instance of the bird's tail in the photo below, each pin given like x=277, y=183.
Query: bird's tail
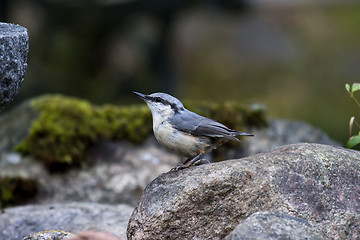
x=237, y=133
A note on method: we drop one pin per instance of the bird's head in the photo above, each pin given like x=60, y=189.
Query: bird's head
x=161, y=104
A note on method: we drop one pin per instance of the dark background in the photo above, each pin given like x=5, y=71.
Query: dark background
x=293, y=56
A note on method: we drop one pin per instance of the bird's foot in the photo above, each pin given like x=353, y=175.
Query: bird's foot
x=189, y=163
x=178, y=167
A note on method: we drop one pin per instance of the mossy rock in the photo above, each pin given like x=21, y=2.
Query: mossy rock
x=66, y=127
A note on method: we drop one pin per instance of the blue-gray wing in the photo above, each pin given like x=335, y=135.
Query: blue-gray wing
x=197, y=125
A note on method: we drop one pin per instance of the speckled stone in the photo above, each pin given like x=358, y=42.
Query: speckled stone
x=49, y=235
x=14, y=47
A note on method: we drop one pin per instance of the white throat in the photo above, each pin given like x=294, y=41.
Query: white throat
x=159, y=116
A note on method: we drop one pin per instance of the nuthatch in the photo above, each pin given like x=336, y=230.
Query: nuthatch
x=184, y=132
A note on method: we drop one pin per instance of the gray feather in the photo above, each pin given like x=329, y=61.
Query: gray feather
x=197, y=125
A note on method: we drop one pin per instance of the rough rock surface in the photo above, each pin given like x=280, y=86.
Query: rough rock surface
x=18, y=222
x=49, y=235
x=273, y=226
x=318, y=183
x=14, y=47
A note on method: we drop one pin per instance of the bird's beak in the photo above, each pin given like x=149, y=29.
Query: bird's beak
x=140, y=95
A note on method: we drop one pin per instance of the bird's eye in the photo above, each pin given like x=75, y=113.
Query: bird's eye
x=157, y=99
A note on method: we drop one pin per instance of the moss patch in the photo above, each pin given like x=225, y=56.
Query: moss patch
x=67, y=127
x=16, y=190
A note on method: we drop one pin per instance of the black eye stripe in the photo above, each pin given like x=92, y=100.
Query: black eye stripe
x=165, y=102
x=158, y=99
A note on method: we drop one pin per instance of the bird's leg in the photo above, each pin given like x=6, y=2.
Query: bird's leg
x=189, y=162
x=196, y=160
x=189, y=159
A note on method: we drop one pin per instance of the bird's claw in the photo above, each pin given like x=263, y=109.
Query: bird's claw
x=190, y=164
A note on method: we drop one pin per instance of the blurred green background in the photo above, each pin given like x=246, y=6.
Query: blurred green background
x=293, y=56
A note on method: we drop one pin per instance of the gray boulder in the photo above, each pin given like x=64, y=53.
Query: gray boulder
x=14, y=47
x=18, y=222
x=273, y=226
x=318, y=183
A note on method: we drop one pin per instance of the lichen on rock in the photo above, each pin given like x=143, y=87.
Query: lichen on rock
x=49, y=235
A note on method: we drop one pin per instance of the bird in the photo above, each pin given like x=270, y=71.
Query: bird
x=184, y=132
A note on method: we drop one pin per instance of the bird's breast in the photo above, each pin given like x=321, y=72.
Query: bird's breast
x=179, y=142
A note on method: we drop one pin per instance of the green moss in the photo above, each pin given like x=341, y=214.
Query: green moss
x=67, y=127
x=16, y=190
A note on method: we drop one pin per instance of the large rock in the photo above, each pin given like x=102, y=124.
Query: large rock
x=14, y=47
x=318, y=183
x=18, y=222
x=273, y=226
